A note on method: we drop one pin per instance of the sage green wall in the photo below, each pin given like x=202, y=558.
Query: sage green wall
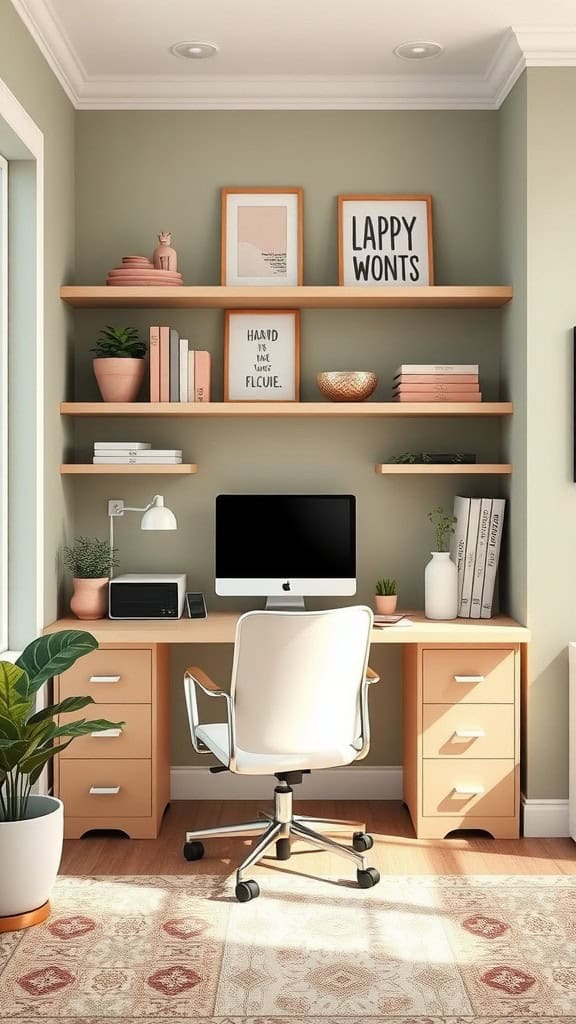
x=139, y=172
x=27, y=75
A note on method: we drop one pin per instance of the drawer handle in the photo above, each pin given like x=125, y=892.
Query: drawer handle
x=108, y=733
x=104, y=790
x=469, y=679
x=469, y=734
x=468, y=790
x=105, y=679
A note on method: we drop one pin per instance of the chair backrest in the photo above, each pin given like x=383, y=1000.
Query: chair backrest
x=297, y=679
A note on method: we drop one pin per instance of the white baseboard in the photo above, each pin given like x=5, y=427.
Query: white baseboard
x=545, y=819
x=364, y=782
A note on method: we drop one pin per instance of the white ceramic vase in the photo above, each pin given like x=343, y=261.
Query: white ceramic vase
x=30, y=852
x=441, y=587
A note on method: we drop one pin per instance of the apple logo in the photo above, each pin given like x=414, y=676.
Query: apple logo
x=286, y=586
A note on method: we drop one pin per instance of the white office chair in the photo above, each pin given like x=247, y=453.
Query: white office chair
x=298, y=701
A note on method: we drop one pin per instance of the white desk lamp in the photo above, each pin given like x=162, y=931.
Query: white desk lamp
x=156, y=517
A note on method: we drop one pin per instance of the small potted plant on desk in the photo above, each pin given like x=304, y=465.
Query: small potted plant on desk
x=90, y=561
x=441, y=574
x=31, y=826
x=119, y=363
x=386, y=597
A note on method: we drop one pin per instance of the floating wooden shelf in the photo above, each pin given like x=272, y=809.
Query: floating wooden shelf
x=289, y=409
x=302, y=297
x=450, y=469
x=88, y=469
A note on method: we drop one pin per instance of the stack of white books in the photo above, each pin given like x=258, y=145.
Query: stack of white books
x=134, y=453
x=475, y=549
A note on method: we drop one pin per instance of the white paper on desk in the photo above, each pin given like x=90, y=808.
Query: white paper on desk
x=382, y=621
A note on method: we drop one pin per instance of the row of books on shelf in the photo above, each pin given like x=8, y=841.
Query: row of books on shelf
x=134, y=453
x=431, y=382
x=178, y=373
x=475, y=549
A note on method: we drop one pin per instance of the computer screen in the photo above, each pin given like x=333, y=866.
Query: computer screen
x=278, y=543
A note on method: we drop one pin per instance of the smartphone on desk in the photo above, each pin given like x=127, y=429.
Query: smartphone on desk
x=195, y=606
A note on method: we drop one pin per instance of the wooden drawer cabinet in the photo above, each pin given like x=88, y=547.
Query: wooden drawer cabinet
x=468, y=730
x=133, y=739
x=462, y=738
x=477, y=675
x=105, y=787
x=118, y=781
x=111, y=675
x=477, y=787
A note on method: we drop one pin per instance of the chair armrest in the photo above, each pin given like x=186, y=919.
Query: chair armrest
x=202, y=679
x=195, y=678
x=372, y=676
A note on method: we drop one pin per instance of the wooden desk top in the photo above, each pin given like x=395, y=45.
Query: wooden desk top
x=219, y=628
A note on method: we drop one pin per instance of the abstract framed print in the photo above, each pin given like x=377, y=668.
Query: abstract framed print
x=262, y=240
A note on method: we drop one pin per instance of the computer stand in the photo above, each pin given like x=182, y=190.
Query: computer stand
x=285, y=603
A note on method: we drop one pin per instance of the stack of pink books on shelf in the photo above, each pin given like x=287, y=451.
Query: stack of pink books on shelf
x=432, y=382
x=139, y=270
x=177, y=372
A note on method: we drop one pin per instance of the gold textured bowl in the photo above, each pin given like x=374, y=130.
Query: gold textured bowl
x=347, y=385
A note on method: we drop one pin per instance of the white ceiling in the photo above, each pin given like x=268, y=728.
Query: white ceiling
x=301, y=53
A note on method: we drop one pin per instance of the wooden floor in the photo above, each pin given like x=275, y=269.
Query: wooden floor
x=395, y=851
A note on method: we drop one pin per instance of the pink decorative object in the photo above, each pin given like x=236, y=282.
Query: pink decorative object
x=385, y=604
x=90, y=597
x=165, y=257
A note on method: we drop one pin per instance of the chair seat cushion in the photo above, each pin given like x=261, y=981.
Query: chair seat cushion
x=216, y=738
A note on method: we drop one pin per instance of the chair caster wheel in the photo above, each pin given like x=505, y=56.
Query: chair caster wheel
x=193, y=851
x=246, y=891
x=361, y=842
x=368, y=878
x=283, y=849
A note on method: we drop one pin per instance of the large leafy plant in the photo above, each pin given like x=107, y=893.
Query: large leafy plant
x=29, y=738
x=119, y=343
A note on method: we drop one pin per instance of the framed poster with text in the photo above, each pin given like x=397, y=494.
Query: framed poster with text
x=261, y=240
x=262, y=356
x=385, y=240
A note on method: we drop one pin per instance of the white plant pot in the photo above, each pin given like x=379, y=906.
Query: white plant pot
x=30, y=853
x=441, y=587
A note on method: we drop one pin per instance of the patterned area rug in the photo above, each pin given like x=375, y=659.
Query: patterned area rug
x=414, y=949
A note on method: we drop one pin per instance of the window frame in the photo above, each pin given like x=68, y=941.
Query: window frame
x=3, y=404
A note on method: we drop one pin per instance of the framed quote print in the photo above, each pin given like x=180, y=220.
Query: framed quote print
x=262, y=356
x=262, y=236
x=385, y=240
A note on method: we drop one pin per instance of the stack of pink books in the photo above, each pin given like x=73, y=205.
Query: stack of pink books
x=431, y=382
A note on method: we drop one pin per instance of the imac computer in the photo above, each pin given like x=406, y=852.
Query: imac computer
x=285, y=546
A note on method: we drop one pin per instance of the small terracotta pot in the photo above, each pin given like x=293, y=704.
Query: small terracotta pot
x=90, y=598
x=385, y=604
x=119, y=379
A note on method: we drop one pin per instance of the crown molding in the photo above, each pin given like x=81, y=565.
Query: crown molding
x=521, y=47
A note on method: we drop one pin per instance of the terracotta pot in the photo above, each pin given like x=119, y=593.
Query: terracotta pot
x=385, y=604
x=90, y=598
x=119, y=379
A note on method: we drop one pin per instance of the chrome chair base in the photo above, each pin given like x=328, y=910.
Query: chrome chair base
x=282, y=823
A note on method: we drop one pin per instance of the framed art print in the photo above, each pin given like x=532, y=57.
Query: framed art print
x=262, y=240
x=385, y=240
x=262, y=356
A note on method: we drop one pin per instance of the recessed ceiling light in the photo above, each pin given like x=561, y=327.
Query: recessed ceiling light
x=195, y=50
x=418, y=50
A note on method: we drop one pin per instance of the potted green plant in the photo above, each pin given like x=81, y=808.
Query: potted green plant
x=90, y=560
x=31, y=826
x=119, y=363
x=441, y=574
x=386, y=597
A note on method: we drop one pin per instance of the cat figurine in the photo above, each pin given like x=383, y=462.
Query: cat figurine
x=165, y=257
